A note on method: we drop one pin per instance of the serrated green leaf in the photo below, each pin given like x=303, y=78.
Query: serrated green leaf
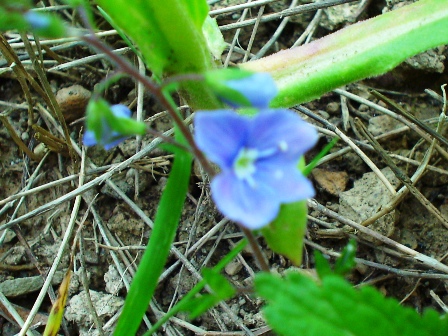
x=297, y=305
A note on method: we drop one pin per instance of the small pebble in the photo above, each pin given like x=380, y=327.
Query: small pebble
x=233, y=267
x=73, y=101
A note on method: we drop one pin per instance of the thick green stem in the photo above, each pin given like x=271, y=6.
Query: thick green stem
x=362, y=50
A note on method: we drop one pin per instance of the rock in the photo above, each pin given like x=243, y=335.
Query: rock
x=106, y=305
x=113, y=280
x=22, y=286
x=233, y=267
x=332, y=182
x=16, y=256
x=366, y=198
x=382, y=124
x=336, y=16
x=73, y=101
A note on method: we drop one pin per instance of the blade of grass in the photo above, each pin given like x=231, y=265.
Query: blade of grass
x=162, y=236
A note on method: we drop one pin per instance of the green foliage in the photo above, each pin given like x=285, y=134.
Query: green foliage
x=169, y=36
x=214, y=38
x=98, y=111
x=18, y=15
x=307, y=170
x=165, y=32
x=221, y=290
x=162, y=236
x=11, y=18
x=362, y=50
x=184, y=303
x=285, y=234
x=120, y=32
x=344, y=264
x=298, y=305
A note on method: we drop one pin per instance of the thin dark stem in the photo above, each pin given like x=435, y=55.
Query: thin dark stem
x=256, y=249
x=157, y=91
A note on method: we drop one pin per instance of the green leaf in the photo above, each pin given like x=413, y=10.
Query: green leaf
x=297, y=305
x=218, y=283
x=214, y=38
x=322, y=265
x=12, y=20
x=221, y=290
x=366, y=49
x=346, y=262
x=307, y=170
x=166, y=32
x=198, y=10
x=180, y=306
x=120, y=32
x=95, y=113
x=169, y=35
x=285, y=234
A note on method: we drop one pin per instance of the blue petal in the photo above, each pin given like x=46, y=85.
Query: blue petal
x=89, y=138
x=37, y=20
x=114, y=141
x=285, y=180
x=220, y=135
x=282, y=128
x=121, y=111
x=252, y=208
x=258, y=88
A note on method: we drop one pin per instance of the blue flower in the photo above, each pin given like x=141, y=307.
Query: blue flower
x=259, y=89
x=109, y=137
x=258, y=157
x=37, y=20
x=239, y=88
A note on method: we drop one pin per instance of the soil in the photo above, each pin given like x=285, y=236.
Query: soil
x=344, y=184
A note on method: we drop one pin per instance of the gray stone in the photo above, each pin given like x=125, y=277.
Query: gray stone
x=366, y=198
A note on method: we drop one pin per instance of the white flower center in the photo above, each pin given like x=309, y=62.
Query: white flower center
x=244, y=165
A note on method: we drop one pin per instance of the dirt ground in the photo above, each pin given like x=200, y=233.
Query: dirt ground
x=114, y=216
